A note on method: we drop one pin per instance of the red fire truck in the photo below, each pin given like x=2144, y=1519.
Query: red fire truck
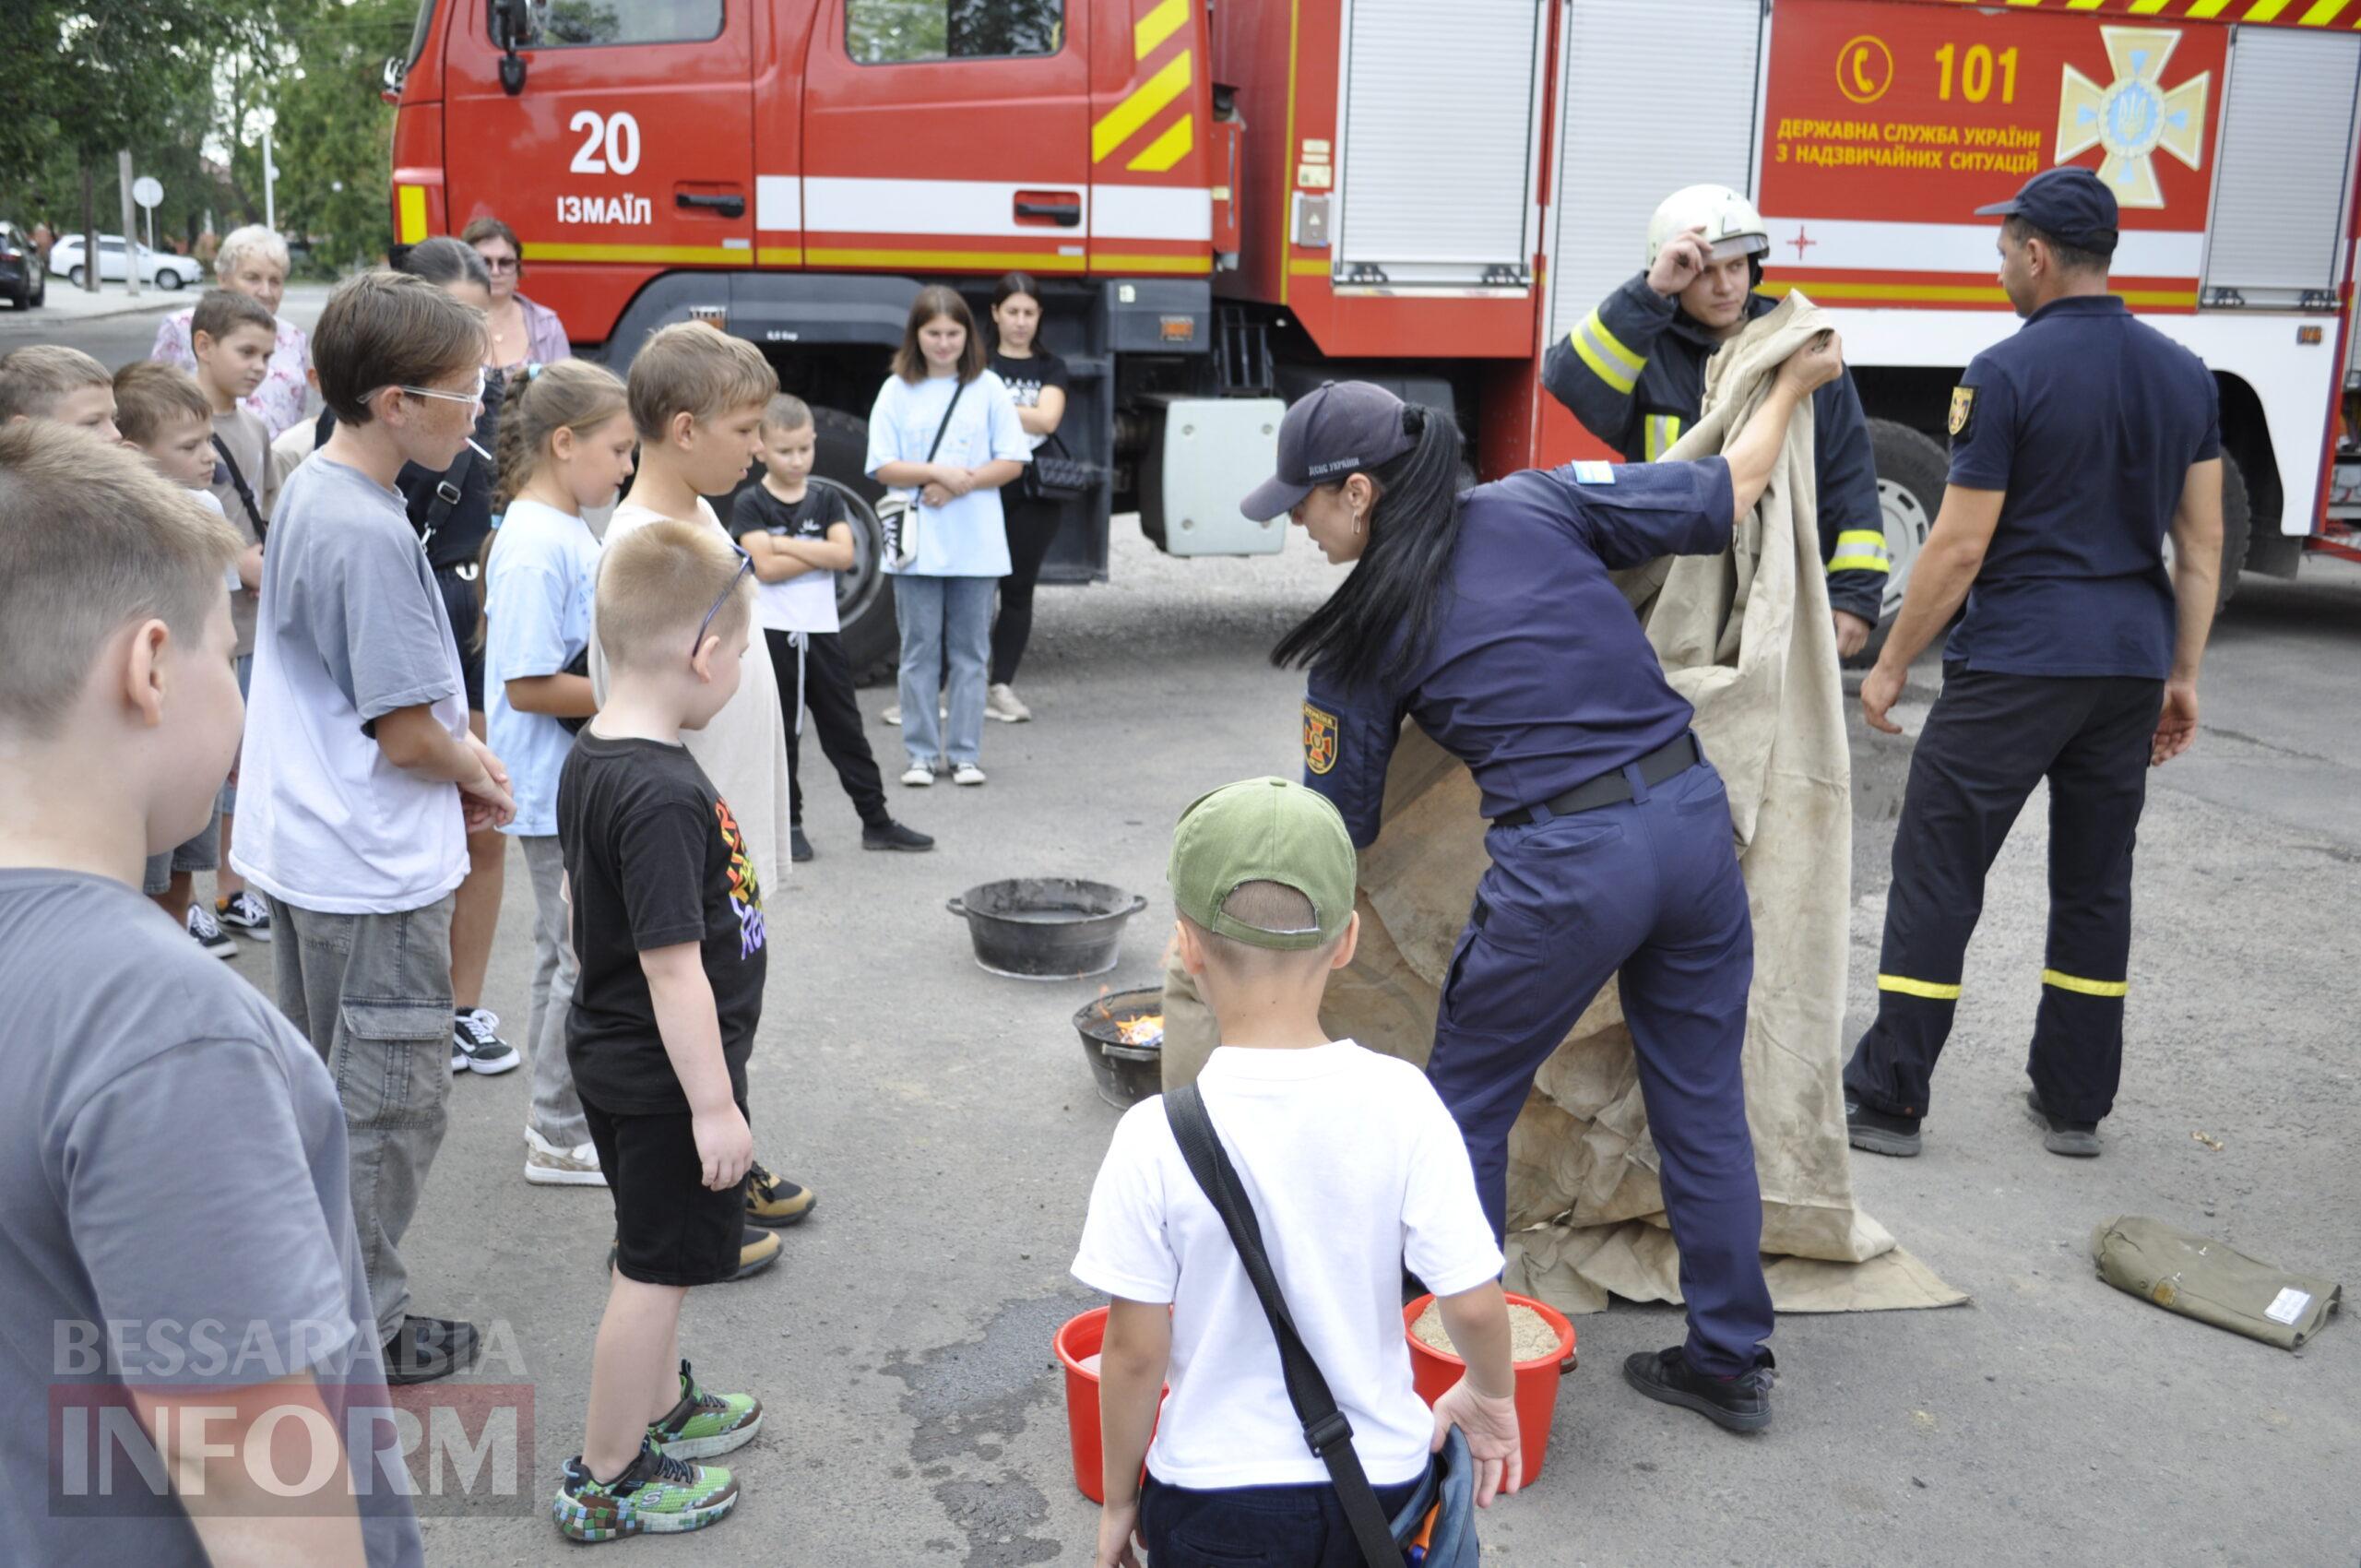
x=1229, y=201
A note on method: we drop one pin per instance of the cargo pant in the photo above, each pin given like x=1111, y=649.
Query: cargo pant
x=372, y=995
x=1990, y=739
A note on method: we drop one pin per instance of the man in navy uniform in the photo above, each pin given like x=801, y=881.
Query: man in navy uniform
x=2076, y=446
x=1634, y=371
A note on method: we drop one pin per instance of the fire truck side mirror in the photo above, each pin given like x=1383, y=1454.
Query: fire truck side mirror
x=512, y=27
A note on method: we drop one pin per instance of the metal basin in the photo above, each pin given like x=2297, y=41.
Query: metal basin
x=1047, y=927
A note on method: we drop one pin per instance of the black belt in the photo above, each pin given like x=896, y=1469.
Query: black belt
x=1614, y=789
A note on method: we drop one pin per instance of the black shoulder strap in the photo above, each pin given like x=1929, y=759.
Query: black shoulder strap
x=245, y=491
x=446, y=495
x=1325, y=1428
x=956, y=393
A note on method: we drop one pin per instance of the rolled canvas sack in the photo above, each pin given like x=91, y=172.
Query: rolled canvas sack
x=2201, y=1278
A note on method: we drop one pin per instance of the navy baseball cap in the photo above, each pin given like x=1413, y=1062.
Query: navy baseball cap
x=1342, y=427
x=2071, y=204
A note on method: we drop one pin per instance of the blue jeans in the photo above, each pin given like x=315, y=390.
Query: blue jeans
x=1284, y=1527
x=944, y=618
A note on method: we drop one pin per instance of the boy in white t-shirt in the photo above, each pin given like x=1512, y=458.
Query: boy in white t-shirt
x=1354, y=1169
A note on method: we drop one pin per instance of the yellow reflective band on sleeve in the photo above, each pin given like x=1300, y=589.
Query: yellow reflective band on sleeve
x=1614, y=345
x=2065, y=981
x=1663, y=430
x=1869, y=540
x=1927, y=989
x=1859, y=564
x=1600, y=365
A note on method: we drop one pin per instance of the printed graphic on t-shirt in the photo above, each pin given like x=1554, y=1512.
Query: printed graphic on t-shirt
x=745, y=888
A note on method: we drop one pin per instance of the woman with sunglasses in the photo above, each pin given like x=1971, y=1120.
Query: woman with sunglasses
x=522, y=332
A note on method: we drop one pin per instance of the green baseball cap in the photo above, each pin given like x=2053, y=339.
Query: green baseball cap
x=1263, y=830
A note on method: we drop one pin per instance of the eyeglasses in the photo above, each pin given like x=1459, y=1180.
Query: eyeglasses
x=745, y=564
x=448, y=397
x=501, y=263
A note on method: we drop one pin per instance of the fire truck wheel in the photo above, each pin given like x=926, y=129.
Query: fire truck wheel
x=1911, y=471
x=872, y=643
x=2237, y=527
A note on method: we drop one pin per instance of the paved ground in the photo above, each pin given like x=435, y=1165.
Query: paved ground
x=948, y=1121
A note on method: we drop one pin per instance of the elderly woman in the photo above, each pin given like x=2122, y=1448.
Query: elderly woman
x=522, y=332
x=253, y=260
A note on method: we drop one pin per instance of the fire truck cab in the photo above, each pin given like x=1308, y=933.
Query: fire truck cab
x=1227, y=202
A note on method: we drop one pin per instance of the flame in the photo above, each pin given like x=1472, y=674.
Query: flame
x=1145, y=1029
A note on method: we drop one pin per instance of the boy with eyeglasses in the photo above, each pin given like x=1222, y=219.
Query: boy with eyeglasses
x=361, y=780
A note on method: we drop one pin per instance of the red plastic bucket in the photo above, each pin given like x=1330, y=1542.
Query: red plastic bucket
x=1433, y=1372
x=1079, y=1337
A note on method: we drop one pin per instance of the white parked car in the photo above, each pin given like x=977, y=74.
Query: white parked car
x=160, y=268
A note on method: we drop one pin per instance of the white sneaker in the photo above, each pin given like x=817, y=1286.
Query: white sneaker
x=918, y=777
x=546, y=1164
x=967, y=772
x=476, y=1045
x=1001, y=702
x=892, y=716
x=209, y=933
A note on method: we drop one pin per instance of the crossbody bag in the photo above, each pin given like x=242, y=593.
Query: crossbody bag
x=1447, y=1491
x=898, y=514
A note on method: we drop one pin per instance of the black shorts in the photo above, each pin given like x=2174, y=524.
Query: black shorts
x=460, y=603
x=671, y=1229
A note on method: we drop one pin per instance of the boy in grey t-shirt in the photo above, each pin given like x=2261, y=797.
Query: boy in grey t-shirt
x=174, y=1213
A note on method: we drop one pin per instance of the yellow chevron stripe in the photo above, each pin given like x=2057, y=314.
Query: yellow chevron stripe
x=1927, y=989
x=1613, y=345
x=1118, y=124
x=1156, y=26
x=2203, y=9
x=1168, y=148
x=2064, y=981
x=2094, y=5
x=1600, y=365
x=2265, y=11
x=2322, y=13
x=2147, y=8
x=1859, y=564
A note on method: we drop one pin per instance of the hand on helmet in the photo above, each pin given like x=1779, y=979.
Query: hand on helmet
x=1676, y=266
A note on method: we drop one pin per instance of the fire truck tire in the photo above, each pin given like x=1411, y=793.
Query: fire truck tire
x=2237, y=527
x=1911, y=471
x=872, y=642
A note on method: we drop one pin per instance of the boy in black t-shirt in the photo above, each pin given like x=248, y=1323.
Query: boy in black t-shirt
x=668, y=921
x=800, y=537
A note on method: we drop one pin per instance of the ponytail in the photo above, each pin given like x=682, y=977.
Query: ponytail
x=1379, y=626
x=569, y=395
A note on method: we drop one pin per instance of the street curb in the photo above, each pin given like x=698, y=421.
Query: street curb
x=146, y=305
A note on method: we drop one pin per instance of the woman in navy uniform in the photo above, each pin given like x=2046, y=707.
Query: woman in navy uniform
x=1490, y=619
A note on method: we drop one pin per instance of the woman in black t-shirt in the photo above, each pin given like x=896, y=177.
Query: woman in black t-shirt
x=1037, y=380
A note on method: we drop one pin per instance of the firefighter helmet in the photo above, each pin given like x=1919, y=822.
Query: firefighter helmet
x=1732, y=226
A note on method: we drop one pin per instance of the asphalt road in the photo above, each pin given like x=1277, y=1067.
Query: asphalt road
x=947, y=1121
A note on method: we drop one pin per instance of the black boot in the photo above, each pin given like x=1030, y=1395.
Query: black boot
x=425, y=1348
x=2076, y=1140
x=1739, y=1404
x=1874, y=1130
x=894, y=836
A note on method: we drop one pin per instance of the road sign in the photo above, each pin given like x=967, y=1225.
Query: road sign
x=147, y=192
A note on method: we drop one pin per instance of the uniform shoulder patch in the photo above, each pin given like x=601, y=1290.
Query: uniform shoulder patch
x=1594, y=473
x=1963, y=410
x=1319, y=739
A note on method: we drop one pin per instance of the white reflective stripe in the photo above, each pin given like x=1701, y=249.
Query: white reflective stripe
x=834, y=205
x=1838, y=244
x=778, y=202
x=1150, y=212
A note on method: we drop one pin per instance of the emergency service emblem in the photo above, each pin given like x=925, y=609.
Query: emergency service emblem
x=1963, y=409
x=1318, y=739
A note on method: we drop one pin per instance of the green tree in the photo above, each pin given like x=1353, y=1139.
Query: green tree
x=333, y=135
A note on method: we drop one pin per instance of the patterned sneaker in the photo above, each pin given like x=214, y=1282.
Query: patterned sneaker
x=476, y=1045
x=704, y=1424
x=209, y=933
x=775, y=1201
x=655, y=1495
x=547, y=1165
x=246, y=915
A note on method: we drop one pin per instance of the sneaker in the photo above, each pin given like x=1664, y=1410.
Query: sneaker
x=1868, y=1128
x=1737, y=1404
x=2075, y=1140
x=891, y=716
x=918, y=776
x=546, y=1164
x=774, y=1200
x=894, y=836
x=1002, y=702
x=209, y=933
x=425, y=1348
x=246, y=915
x=799, y=847
x=968, y=773
x=757, y=1250
x=655, y=1495
x=703, y=1425
x=476, y=1045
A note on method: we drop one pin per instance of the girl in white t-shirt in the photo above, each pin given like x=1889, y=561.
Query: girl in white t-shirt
x=565, y=442
x=944, y=599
